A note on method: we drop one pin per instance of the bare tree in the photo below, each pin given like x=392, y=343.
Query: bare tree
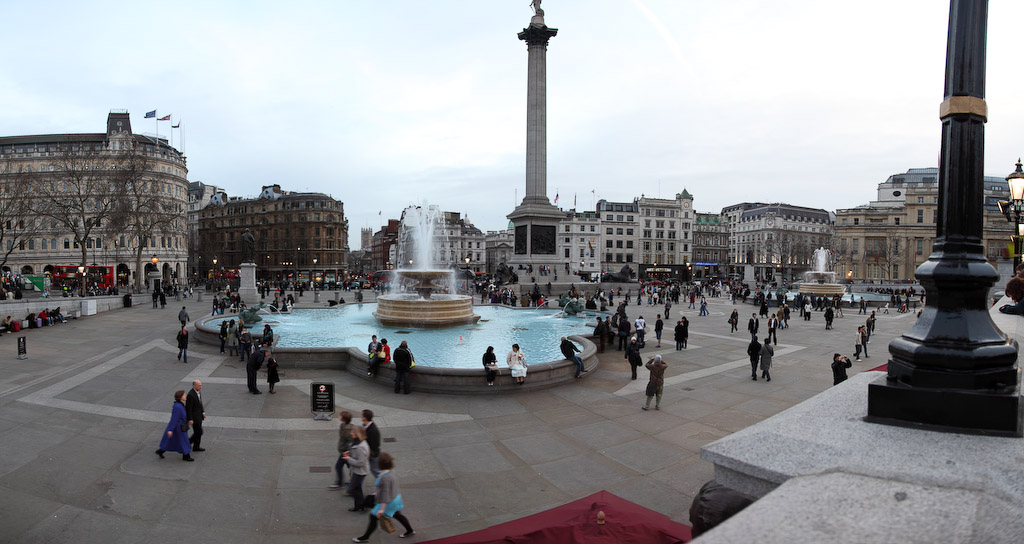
x=18, y=223
x=140, y=212
x=80, y=195
x=891, y=251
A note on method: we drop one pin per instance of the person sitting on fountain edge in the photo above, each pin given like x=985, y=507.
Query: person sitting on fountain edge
x=569, y=350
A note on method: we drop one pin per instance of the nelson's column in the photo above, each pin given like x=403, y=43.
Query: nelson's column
x=536, y=219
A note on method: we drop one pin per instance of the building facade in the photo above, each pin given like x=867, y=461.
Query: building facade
x=710, y=247
x=579, y=243
x=887, y=239
x=775, y=242
x=620, y=221
x=78, y=178
x=299, y=236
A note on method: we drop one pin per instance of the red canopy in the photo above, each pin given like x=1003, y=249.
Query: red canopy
x=625, y=523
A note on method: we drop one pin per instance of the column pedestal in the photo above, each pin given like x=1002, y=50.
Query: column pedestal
x=247, y=284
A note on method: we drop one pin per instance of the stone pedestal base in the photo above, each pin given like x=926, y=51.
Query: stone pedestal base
x=247, y=284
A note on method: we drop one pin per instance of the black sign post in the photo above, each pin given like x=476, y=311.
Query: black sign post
x=22, y=348
x=321, y=399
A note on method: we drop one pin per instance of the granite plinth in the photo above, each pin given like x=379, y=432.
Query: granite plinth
x=866, y=479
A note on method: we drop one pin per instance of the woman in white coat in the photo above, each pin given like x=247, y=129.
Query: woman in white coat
x=516, y=360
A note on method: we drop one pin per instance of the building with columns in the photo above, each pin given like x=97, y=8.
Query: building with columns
x=775, y=242
x=888, y=238
x=53, y=164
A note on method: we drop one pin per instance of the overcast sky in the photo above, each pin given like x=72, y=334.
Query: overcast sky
x=384, y=103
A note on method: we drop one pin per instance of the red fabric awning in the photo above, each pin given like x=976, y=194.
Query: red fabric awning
x=625, y=523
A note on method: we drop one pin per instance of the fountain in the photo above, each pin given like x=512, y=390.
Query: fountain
x=821, y=281
x=426, y=308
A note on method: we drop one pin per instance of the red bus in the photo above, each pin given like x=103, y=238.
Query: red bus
x=99, y=276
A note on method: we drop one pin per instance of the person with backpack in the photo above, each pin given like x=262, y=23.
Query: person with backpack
x=404, y=361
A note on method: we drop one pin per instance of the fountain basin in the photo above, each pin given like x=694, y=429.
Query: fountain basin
x=414, y=311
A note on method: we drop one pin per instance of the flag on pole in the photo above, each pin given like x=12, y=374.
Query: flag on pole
x=165, y=118
x=177, y=125
x=556, y=198
x=150, y=114
x=574, y=200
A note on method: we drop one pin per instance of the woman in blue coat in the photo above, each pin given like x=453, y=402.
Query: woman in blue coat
x=176, y=435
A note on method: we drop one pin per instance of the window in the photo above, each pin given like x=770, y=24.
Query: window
x=920, y=247
x=67, y=244
x=618, y=218
x=920, y=216
x=856, y=221
x=629, y=244
x=629, y=232
x=608, y=243
x=618, y=244
x=629, y=218
x=897, y=220
x=618, y=231
x=608, y=230
x=920, y=200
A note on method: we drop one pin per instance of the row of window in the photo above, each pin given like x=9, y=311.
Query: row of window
x=172, y=242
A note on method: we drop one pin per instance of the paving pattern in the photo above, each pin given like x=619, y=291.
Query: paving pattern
x=80, y=418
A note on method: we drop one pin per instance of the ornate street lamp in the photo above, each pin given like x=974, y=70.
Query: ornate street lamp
x=1013, y=209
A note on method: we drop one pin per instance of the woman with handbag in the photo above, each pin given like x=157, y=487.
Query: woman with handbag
x=387, y=502
x=516, y=361
x=358, y=459
x=176, y=436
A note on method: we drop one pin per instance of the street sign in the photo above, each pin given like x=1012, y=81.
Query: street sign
x=321, y=398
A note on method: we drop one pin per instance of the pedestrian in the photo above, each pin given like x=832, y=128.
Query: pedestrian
x=754, y=352
x=829, y=316
x=870, y=325
x=345, y=443
x=599, y=334
x=163, y=301
x=371, y=353
x=516, y=361
x=176, y=434
x=490, y=361
x=703, y=306
x=387, y=501
x=858, y=343
x=807, y=310
x=156, y=297
x=183, y=343
x=183, y=316
x=244, y=341
x=232, y=338
x=268, y=335
x=659, y=327
x=752, y=326
x=668, y=307
x=839, y=365
x=372, y=439
x=358, y=460
x=223, y=335
x=272, y=375
x=623, y=328
x=656, y=382
x=767, y=352
x=569, y=350
x=633, y=356
x=773, y=325
x=734, y=319
x=864, y=340
x=196, y=414
x=252, y=366
x=404, y=361
x=641, y=329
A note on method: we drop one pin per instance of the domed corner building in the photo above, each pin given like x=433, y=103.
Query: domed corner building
x=75, y=188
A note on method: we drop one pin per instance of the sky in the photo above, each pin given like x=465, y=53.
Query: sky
x=391, y=103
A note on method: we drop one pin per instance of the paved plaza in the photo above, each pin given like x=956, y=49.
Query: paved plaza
x=81, y=417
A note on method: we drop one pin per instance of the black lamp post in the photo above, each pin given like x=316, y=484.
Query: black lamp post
x=954, y=371
x=1013, y=209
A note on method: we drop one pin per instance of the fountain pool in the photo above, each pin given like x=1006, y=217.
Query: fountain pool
x=537, y=331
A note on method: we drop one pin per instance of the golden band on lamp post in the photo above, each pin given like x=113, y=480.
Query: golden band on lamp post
x=963, y=104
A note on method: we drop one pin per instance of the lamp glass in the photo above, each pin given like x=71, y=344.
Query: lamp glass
x=1016, y=187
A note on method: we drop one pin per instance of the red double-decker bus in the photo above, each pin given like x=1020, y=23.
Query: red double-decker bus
x=95, y=276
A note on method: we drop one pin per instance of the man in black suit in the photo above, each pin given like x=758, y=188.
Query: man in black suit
x=195, y=414
x=372, y=440
x=752, y=326
x=251, y=367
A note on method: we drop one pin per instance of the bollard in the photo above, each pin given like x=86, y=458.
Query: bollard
x=22, y=347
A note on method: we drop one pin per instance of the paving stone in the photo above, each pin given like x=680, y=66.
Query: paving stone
x=482, y=457
x=541, y=448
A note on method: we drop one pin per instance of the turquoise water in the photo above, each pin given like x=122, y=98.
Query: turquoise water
x=538, y=333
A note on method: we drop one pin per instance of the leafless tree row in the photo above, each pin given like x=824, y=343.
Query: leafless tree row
x=91, y=192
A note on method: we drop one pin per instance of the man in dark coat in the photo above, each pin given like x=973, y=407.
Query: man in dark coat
x=252, y=365
x=196, y=414
x=754, y=351
x=372, y=439
x=569, y=350
x=404, y=360
x=752, y=327
x=839, y=366
x=183, y=343
x=599, y=334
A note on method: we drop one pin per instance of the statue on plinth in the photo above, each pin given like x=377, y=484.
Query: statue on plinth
x=248, y=247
